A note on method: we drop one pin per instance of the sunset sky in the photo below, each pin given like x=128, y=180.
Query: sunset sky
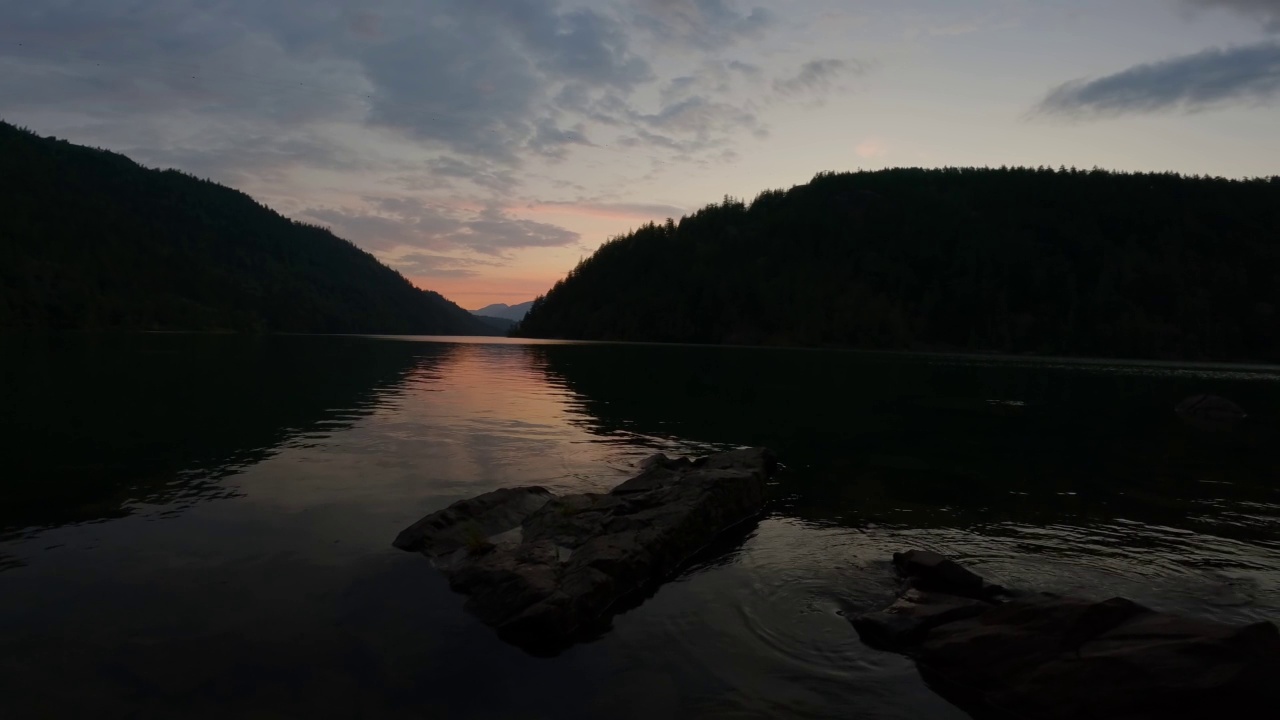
x=482, y=147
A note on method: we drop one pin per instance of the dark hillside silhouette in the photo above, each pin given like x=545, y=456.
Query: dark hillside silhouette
x=89, y=239
x=1022, y=260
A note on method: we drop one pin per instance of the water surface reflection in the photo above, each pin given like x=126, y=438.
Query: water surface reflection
x=202, y=525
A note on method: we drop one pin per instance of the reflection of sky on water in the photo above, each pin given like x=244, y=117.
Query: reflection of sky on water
x=1092, y=486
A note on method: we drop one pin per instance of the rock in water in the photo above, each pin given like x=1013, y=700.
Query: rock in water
x=1210, y=412
x=1062, y=658
x=1042, y=656
x=468, y=523
x=904, y=624
x=928, y=570
x=544, y=569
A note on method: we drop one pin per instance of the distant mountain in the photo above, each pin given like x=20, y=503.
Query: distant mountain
x=499, y=326
x=1018, y=260
x=515, y=313
x=89, y=239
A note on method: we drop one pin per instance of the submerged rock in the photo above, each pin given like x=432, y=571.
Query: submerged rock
x=904, y=624
x=1043, y=656
x=930, y=571
x=545, y=569
x=1210, y=412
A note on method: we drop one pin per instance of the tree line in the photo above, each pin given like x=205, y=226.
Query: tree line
x=1016, y=260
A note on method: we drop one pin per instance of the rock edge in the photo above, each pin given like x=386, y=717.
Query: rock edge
x=544, y=569
x=1003, y=654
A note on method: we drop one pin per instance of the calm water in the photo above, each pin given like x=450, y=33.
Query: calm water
x=201, y=526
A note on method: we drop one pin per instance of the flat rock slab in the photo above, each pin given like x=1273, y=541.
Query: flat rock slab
x=545, y=569
x=1044, y=656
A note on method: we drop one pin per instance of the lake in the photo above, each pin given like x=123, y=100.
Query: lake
x=201, y=526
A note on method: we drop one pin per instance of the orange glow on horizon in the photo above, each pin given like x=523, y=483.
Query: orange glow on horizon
x=473, y=292
x=533, y=271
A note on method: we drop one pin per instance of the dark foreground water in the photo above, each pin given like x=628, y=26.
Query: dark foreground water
x=201, y=526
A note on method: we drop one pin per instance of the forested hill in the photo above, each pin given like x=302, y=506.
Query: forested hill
x=1063, y=262
x=91, y=240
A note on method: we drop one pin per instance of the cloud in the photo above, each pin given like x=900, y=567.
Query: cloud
x=481, y=172
x=816, y=75
x=694, y=124
x=241, y=153
x=748, y=69
x=442, y=98
x=617, y=210
x=700, y=112
x=582, y=45
x=436, y=265
x=712, y=24
x=494, y=232
x=460, y=87
x=161, y=56
x=478, y=77
x=388, y=224
x=378, y=232
x=171, y=84
x=554, y=142
x=1214, y=77
x=1266, y=12
x=474, y=78
x=485, y=85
